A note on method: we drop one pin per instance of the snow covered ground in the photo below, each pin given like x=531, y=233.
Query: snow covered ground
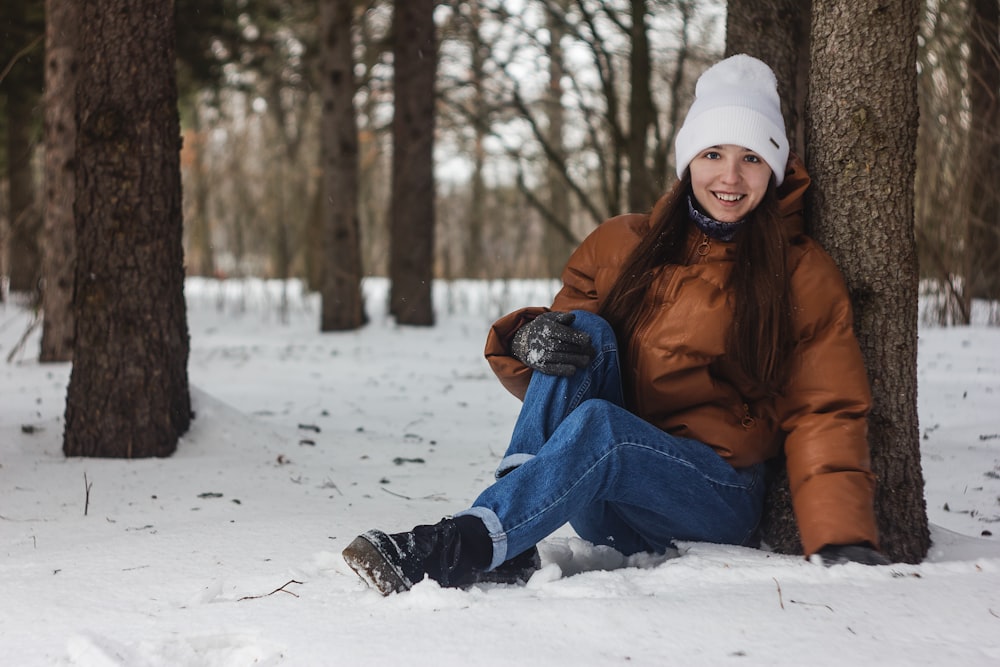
x=228, y=553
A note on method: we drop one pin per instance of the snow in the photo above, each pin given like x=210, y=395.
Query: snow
x=228, y=553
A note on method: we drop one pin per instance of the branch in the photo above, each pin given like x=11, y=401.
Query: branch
x=546, y=213
x=280, y=589
x=20, y=54
x=956, y=293
x=554, y=157
x=86, y=494
x=14, y=351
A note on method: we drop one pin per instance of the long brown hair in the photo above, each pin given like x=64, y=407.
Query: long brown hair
x=761, y=334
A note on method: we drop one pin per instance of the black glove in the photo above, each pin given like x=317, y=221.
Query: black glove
x=838, y=554
x=548, y=344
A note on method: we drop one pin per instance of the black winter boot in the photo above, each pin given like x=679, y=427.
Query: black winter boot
x=516, y=570
x=453, y=552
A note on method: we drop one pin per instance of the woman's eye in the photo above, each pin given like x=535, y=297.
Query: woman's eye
x=752, y=158
x=712, y=155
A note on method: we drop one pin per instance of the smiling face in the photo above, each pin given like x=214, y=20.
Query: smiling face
x=729, y=181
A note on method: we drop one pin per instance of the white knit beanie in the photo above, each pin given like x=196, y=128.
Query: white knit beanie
x=736, y=102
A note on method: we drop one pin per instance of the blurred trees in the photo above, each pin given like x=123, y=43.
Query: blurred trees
x=340, y=281
x=957, y=202
x=21, y=65
x=411, y=228
x=983, y=260
x=551, y=115
x=59, y=247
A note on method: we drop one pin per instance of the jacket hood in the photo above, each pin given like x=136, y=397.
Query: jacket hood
x=791, y=196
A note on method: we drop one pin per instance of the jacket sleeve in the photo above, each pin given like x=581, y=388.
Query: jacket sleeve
x=578, y=292
x=824, y=409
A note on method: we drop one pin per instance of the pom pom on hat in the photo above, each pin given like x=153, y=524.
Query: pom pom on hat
x=736, y=102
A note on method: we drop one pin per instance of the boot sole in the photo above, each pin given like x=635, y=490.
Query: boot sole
x=367, y=560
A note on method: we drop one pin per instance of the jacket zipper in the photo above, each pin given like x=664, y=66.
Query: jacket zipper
x=705, y=246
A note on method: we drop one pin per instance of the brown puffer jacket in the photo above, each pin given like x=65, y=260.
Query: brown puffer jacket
x=683, y=381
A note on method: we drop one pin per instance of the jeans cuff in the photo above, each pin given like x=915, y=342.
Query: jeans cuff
x=497, y=534
x=512, y=461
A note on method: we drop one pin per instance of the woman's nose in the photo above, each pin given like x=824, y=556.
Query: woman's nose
x=731, y=171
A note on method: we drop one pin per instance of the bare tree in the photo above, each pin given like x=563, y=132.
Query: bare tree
x=641, y=112
x=983, y=237
x=476, y=264
x=128, y=392
x=411, y=266
x=59, y=239
x=942, y=183
x=557, y=246
x=343, y=306
x=199, y=255
x=862, y=130
x=22, y=84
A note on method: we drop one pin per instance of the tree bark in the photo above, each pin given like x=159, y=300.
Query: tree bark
x=777, y=32
x=59, y=239
x=128, y=392
x=411, y=267
x=862, y=127
x=343, y=306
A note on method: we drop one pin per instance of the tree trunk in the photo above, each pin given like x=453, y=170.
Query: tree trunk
x=777, y=32
x=200, y=255
x=59, y=240
x=983, y=220
x=862, y=130
x=557, y=247
x=128, y=391
x=23, y=92
x=642, y=113
x=411, y=264
x=343, y=307
x=476, y=265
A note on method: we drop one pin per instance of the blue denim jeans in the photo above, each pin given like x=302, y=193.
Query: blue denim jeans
x=578, y=456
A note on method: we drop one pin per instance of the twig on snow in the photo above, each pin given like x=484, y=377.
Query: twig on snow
x=433, y=496
x=780, y=601
x=393, y=493
x=86, y=494
x=812, y=604
x=280, y=589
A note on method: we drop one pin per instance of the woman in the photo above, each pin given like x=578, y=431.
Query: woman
x=685, y=348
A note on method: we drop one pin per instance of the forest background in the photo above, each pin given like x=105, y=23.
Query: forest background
x=541, y=133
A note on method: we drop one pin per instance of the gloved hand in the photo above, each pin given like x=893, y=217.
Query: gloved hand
x=838, y=554
x=549, y=345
